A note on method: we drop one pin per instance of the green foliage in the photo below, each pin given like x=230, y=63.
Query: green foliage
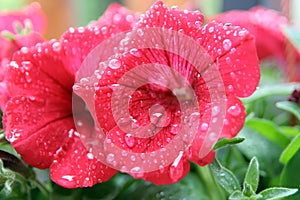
x=223, y=142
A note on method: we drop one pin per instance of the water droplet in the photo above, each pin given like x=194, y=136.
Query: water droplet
x=197, y=24
x=90, y=156
x=230, y=88
x=242, y=33
x=176, y=169
x=114, y=64
x=215, y=110
x=80, y=29
x=24, y=50
x=104, y=29
x=204, y=126
x=56, y=46
x=110, y=158
x=227, y=44
x=135, y=52
x=140, y=32
x=68, y=177
x=129, y=140
x=211, y=29
x=234, y=110
x=174, y=129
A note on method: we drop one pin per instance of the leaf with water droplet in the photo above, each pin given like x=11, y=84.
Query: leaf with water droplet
x=225, y=177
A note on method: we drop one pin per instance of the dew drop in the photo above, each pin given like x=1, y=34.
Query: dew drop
x=140, y=32
x=227, y=44
x=135, y=52
x=114, y=64
x=176, y=169
x=129, y=140
x=56, y=46
x=234, y=110
x=204, y=126
x=215, y=110
x=110, y=158
x=90, y=156
x=104, y=29
x=211, y=29
x=24, y=50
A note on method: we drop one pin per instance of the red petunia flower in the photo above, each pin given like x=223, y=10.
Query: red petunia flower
x=153, y=86
x=38, y=118
x=32, y=21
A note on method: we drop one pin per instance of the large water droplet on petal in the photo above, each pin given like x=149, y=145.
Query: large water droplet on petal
x=234, y=110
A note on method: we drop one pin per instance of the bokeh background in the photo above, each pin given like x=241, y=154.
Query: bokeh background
x=63, y=14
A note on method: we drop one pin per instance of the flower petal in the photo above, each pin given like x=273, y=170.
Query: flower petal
x=117, y=16
x=160, y=16
x=233, y=50
x=76, y=167
x=39, y=70
x=37, y=127
x=233, y=122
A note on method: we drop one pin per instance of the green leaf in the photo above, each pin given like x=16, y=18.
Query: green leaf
x=237, y=195
x=293, y=34
x=290, y=107
x=276, y=193
x=290, y=131
x=289, y=176
x=225, y=177
x=224, y=142
x=252, y=174
x=263, y=92
x=290, y=150
x=188, y=188
x=269, y=130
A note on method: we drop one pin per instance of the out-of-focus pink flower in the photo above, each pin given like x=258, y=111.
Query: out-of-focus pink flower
x=31, y=21
x=267, y=27
x=265, y=24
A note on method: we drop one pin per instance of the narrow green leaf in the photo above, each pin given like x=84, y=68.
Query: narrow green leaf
x=225, y=177
x=293, y=34
x=276, y=193
x=224, y=142
x=290, y=150
x=290, y=107
x=268, y=129
x=252, y=174
x=263, y=92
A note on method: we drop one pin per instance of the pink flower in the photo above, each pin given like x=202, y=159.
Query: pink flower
x=265, y=24
x=271, y=42
x=230, y=49
x=31, y=18
x=38, y=118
